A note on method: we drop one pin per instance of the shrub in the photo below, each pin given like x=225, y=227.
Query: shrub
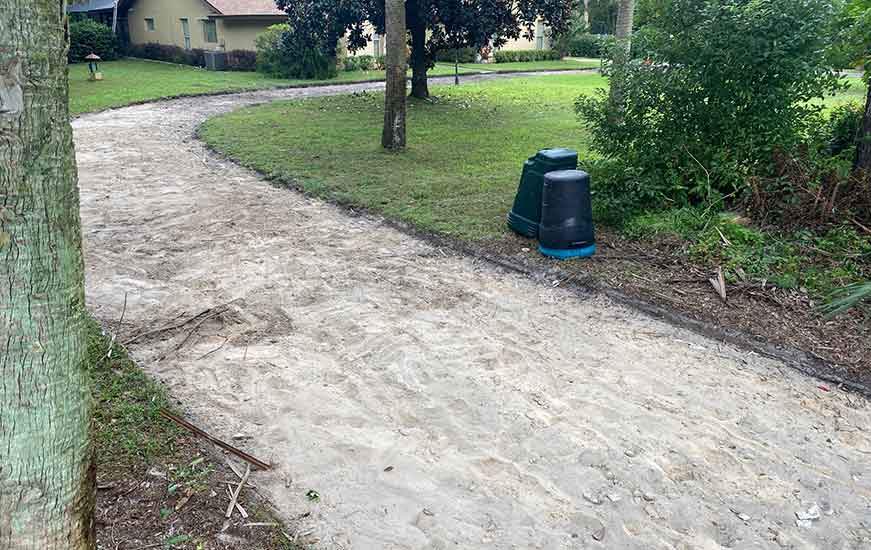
x=724, y=85
x=268, y=46
x=88, y=36
x=462, y=55
x=283, y=54
x=584, y=45
x=841, y=132
x=170, y=54
x=241, y=60
x=514, y=56
x=361, y=63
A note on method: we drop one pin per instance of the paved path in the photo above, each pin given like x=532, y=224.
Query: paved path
x=434, y=402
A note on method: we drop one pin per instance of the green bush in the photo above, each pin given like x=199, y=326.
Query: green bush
x=283, y=54
x=462, y=55
x=723, y=86
x=514, y=56
x=361, y=63
x=88, y=36
x=841, y=132
x=169, y=53
x=584, y=45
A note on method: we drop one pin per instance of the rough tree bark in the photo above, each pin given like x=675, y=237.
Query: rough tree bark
x=862, y=165
x=419, y=62
x=623, y=34
x=46, y=471
x=393, y=136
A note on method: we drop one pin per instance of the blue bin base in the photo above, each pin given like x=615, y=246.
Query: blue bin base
x=568, y=254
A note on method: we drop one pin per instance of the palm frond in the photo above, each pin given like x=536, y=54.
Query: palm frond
x=845, y=299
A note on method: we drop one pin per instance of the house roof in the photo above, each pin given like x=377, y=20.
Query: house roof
x=90, y=5
x=245, y=7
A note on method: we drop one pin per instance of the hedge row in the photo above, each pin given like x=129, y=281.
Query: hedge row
x=88, y=36
x=513, y=56
x=237, y=60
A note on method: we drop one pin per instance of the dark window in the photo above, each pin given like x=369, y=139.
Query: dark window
x=149, y=24
x=210, y=29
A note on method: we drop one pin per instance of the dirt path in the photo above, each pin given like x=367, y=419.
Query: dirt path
x=437, y=403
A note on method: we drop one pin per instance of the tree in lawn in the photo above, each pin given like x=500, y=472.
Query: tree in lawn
x=46, y=474
x=393, y=136
x=436, y=25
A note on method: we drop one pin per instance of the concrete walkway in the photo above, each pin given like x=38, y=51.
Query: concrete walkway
x=434, y=402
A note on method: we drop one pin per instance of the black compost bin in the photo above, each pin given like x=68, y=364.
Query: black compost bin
x=566, y=229
x=526, y=213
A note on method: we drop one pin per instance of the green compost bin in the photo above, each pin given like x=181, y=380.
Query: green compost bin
x=525, y=216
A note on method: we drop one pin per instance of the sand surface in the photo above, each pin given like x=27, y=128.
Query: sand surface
x=434, y=402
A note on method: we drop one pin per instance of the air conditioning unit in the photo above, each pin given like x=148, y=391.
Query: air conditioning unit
x=216, y=61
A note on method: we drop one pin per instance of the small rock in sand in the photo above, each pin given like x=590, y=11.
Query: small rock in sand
x=811, y=514
x=599, y=533
x=592, y=499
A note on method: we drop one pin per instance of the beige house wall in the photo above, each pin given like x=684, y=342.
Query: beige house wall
x=167, y=15
x=233, y=33
x=240, y=33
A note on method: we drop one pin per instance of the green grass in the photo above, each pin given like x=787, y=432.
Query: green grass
x=465, y=151
x=130, y=81
x=460, y=172
x=129, y=428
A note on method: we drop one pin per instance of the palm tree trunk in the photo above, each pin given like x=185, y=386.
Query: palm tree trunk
x=862, y=165
x=587, y=13
x=393, y=136
x=46, y=471
x=623, y=34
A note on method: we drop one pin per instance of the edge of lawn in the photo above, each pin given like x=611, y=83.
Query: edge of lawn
x=155, y=480
x=313, y=84
x=583, y=286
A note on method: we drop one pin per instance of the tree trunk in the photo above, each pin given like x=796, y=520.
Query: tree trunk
x=393, y=136
x=46, y=471
x=587, y=13
x=419, y=83
x=862, y=165
x=623, y=34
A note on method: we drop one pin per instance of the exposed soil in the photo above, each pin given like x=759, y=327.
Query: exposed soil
x=659, y=277
x=429, y=400
x=171, y=504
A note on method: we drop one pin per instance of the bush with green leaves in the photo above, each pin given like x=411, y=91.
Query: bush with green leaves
x=283, y=53
x=515, y=56
x=460, y=55
x=361, y=63
x=723, y=84
x=88, y=36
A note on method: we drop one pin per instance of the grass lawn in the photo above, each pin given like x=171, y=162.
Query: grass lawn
x=133, y=80
x=459, y=174
x=460, y=171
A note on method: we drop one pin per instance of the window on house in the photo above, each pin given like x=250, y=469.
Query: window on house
x=149, y=24
x=186, y=33
x=377, y=47
x=210, y=31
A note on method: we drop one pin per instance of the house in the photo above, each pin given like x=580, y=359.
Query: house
x=100, y=10
x=199, y=24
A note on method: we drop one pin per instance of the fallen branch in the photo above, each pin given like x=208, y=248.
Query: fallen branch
x=719, y=283
x=166, y=328
x=226, y=446
x=238, y=506
x=238, y=490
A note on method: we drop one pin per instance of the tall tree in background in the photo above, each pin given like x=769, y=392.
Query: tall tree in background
x=46, y=474
x=393, y=136
x=433, y=25
x=622, y=53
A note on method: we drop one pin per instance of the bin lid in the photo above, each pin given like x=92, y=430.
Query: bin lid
x=559, y=156
x=566, y=176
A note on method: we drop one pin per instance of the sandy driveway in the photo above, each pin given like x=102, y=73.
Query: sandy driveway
x=437, y=403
